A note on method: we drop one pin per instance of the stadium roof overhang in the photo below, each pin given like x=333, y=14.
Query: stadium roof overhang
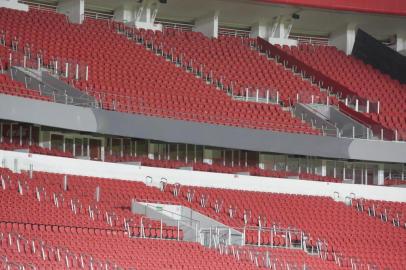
x=392, y=7
x=314, y=19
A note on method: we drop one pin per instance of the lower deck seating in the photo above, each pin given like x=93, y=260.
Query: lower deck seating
x=51, y=236
x=391, y=212
x=82, y=248
x=348, y=236
x=355, y=240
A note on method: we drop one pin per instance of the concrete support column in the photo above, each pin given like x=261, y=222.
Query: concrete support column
x=344, y=38
x=207, y=156
x=381, y=174
x=259, y=30
x=261, y=159
x=401, y=43
x=324, y=167
x=13, y=4
x=208, y=25
x=279, y=30
x=74, y=9
x=124, y=14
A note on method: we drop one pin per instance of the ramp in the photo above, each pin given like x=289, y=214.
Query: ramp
x=196, y=227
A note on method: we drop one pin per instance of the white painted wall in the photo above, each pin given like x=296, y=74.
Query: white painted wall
x=194, y=178
x=13, y=4
x=74, y=9
x=344, y=38
x=208, y=25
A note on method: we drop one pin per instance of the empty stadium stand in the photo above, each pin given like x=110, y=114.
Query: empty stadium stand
x=349, y=241
x=159, y=89
x=391, y=212
x=230, y=62
x=201, y=135
x=61, y=219
x=362, y=79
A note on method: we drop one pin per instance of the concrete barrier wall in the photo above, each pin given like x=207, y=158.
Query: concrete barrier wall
x=194, y=178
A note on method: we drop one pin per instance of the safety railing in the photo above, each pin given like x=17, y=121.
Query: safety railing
x=233, y=32
x=63, y=67
x=377, y=130
x=39, y=5
x=184, y=226
x=315, y=40
x=297, y=65
x=181, y=26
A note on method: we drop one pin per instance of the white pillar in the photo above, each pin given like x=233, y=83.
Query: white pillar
x=344, y=38
x=13, y=4
x=124, y=14
x=74, y=9
x=324, y=167
x=208, y=25
x=279, y=31
x=381, y=175
x=259, y=30
x=401, y=42
x=144, y=15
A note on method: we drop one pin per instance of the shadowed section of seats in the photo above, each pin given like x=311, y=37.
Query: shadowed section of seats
x=362, y=79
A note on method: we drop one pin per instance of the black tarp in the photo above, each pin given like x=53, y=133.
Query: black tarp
x=373, y=52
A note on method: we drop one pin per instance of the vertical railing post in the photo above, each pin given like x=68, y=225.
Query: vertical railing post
x=66, y=70
x=246, y=94
x=77, y=72
x=356, y=105
x=87, y=73
x=277, y=97
x=367, y=105
x=378, y=109
x=257, y=95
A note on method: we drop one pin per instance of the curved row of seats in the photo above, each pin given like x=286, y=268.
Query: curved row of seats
x=128, y=78
x=348, y=235
x=56, y=228
x=362, y=79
